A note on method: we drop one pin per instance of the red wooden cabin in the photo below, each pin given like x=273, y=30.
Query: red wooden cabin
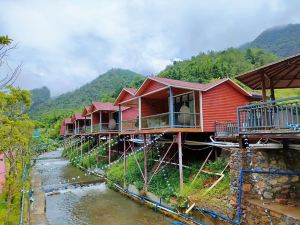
x=104, y=117
x=80, y=123
x=129, y=114
x=166, y=105
x=67, y=127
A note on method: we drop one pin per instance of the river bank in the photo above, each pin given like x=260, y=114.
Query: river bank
x=76, y=197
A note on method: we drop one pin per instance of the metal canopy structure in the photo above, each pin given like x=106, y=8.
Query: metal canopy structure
x=278, y=75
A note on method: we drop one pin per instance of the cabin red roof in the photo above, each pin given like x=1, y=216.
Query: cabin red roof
x=131, y=90
x=102, y=106
x=123, y=93
x=190, y=85
x=78, y=116
x=67, y=120
x=86, y=110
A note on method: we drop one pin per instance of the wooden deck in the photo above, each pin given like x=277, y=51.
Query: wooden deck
x=163, y=130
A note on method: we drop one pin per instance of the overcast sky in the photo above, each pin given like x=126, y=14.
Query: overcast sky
x=66, y=43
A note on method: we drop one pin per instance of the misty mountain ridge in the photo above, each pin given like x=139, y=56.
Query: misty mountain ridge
x=281, y=40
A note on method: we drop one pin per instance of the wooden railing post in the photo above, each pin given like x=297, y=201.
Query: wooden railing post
x=92, y=123
x=120, y=118
x=140, y=113
x=171, y=107
x=100, y=121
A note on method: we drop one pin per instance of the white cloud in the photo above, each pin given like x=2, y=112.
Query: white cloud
x=64, y=44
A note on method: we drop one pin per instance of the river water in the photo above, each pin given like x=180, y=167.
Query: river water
x=92, y=203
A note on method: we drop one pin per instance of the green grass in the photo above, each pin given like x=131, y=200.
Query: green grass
x=165, y=183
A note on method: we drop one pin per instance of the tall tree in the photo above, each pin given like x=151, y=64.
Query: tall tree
x=8, y=75
x=15, y=134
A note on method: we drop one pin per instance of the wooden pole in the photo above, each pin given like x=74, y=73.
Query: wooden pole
x=124, y=148
x=180, y=162
x=272, y=92
x=263, y=87
x=81, y=146
x=145, y=164
x=100, y=121
x=109, y=148
x=140, y=113
x=120, y=118
x=171, y=108
x=91, y=123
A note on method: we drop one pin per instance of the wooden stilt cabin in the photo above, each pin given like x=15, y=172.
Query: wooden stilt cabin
x=104, y=118
x=80, y=123
x=129, y=114
x=166, y=105
x=67, y=127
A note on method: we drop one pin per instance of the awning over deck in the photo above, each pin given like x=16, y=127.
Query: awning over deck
x=281, y=74
x=278, y=75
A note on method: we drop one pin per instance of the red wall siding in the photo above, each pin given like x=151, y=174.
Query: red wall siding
x=153, y=85
x=153, y=107
x=130, y=114
x=96, y=117
x=220, y=104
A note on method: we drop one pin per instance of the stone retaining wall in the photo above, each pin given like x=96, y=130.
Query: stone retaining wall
x=276, y=188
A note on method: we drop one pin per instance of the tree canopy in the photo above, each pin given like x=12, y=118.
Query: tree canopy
x=215, y=65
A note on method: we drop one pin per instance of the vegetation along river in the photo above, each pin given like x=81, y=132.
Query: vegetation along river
x=90, y=203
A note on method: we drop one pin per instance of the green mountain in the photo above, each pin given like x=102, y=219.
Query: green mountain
x=39, y=96
x=283, y=41
x=104, y=88
x=217, y=64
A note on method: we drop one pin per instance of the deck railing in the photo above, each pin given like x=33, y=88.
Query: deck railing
x=273, y=116
x=128, y=125
x=69, y=132
x=226, y=129
x=80, y=130
x=180, y=120
x=105, y=127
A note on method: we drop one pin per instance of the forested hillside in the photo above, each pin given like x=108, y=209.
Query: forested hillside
x=103, y=88
x=282, y=41
x=214, y=65
x=39, y=96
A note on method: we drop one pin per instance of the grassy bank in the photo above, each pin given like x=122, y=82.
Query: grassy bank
x=165, y=183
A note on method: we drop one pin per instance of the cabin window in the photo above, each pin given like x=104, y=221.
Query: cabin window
x=186, y=99
x=184, y=109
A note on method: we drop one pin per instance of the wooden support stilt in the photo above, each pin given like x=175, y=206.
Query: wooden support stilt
x=125, y=152
x=81, y=146
x=145, y=164
x=109, y=148
x=180, y=162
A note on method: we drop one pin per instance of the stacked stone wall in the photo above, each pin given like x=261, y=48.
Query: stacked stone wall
x=281, y=189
